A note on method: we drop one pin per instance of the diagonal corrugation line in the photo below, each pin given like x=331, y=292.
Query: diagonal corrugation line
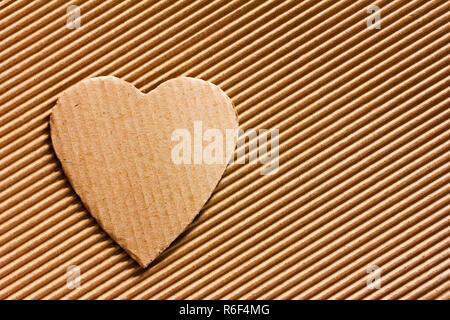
x=363, y=176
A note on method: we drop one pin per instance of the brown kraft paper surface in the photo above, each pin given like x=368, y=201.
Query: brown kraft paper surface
x=360, y=190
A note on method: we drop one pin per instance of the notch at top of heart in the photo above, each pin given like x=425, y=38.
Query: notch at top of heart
x=136, y=160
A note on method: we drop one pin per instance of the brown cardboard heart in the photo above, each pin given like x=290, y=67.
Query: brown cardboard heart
x=115, y=145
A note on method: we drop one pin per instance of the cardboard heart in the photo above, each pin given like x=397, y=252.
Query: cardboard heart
x=117, y=146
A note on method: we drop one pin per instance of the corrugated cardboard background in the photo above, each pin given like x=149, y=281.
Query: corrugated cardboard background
x=364, y=148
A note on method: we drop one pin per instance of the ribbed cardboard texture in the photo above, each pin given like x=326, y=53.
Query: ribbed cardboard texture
x=115, y=146
x=363, y=173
